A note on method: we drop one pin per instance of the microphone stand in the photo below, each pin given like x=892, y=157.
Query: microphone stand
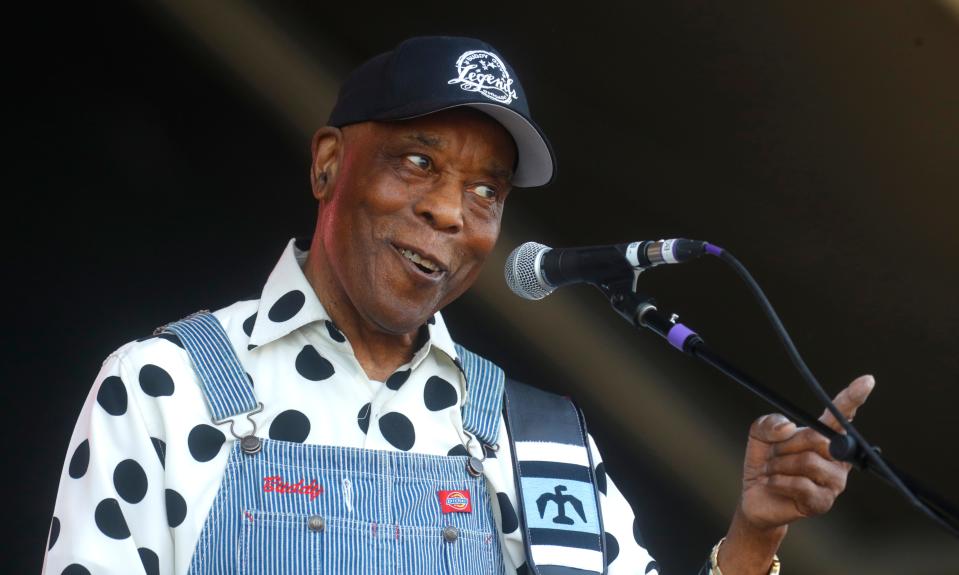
x=641, y=312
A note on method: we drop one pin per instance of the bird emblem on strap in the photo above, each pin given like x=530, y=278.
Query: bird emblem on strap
x=561, y=499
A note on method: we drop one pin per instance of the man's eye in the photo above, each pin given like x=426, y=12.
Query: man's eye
x=420, y=161
x=485, y=192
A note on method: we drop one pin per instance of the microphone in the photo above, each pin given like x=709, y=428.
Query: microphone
x=533, y=270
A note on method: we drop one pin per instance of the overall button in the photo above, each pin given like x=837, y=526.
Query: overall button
x=474, y=465
x=450, y=534
x=316, y=523
x=250, y=444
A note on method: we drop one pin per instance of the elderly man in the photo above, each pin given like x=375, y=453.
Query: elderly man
x=333, y=425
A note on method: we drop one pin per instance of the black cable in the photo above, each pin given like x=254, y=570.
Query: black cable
x=868, y=451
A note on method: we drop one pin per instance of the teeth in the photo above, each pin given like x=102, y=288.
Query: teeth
x=416, y=259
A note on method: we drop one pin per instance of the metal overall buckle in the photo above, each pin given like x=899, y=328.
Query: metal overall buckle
x=474, y=465
x=249, y=443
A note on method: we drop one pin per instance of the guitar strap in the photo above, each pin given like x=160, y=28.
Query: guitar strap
x=557, y=495
x=556, y=487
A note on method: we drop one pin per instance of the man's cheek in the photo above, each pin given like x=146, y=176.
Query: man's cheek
x=484, y=244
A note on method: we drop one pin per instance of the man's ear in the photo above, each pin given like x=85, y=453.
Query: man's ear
x=327, y=148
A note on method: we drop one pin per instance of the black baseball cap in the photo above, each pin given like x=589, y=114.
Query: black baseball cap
x=432, y=73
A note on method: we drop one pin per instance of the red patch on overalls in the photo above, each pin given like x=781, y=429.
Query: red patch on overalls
x=455, y=501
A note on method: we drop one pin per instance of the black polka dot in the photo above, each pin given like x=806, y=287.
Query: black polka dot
x=155, y=381
x=151, y=563
x=110, y=521
x=510, y=521
x=457, y=450
x=205, y=442
x=363, y=417
x=335, y=333
x=422, y=338
x=601, y=477
x=612, y=548
x=652, y=565
x=112, y=396
x=438, y=394
x=130, y=481
x=160, y=446
x=287, y=306
x=638, y=533
x=172, y=338
x=311, y=365
x=175, y=508
x=291, y=425
x=398, y=430
x=54, y=533
x=397, y=380
x=251, y=347
x=75, y=569
x=80, y=460
x=248, y=325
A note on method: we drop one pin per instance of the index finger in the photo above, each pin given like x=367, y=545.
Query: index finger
x=849, y=400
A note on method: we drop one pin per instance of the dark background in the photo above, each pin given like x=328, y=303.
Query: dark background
x=160, y=161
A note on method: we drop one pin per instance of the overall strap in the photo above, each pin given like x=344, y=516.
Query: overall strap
x=223, y=380
x=558, y=499
x=484, y=401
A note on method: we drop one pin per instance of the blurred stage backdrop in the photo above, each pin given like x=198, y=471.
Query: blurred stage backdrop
x=161, y=154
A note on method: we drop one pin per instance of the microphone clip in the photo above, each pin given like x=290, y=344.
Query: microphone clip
x=626, y=300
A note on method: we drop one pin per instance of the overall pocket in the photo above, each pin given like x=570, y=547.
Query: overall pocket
x=280, y=543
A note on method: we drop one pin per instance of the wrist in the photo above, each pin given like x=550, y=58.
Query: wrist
x=748, y=549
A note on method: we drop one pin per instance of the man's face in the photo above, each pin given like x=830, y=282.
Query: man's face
x=413, y=212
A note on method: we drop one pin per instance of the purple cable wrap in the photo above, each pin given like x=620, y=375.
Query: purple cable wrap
x=713, y=250
x=678, y=335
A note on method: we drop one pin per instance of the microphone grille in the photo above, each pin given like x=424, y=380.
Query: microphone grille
x=522, y=273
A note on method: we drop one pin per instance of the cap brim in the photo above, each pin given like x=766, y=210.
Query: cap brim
x=535, y=166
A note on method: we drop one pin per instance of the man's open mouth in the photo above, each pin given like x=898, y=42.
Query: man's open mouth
x=424, y=264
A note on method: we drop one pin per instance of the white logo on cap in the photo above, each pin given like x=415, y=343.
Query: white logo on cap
x=483, y=72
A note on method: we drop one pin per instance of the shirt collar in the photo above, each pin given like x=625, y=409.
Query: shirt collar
x=440, y=338
x=288, y=303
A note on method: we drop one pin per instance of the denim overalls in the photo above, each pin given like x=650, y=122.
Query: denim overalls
x=288, y=508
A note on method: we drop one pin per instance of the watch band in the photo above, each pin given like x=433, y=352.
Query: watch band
x=714, y=561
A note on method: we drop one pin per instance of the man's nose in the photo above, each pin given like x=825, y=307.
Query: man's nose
x=441, y=205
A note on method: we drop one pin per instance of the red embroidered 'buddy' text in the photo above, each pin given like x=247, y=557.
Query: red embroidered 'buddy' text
x=275, y=484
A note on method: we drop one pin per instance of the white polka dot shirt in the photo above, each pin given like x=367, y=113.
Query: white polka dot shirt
x=145, y=461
